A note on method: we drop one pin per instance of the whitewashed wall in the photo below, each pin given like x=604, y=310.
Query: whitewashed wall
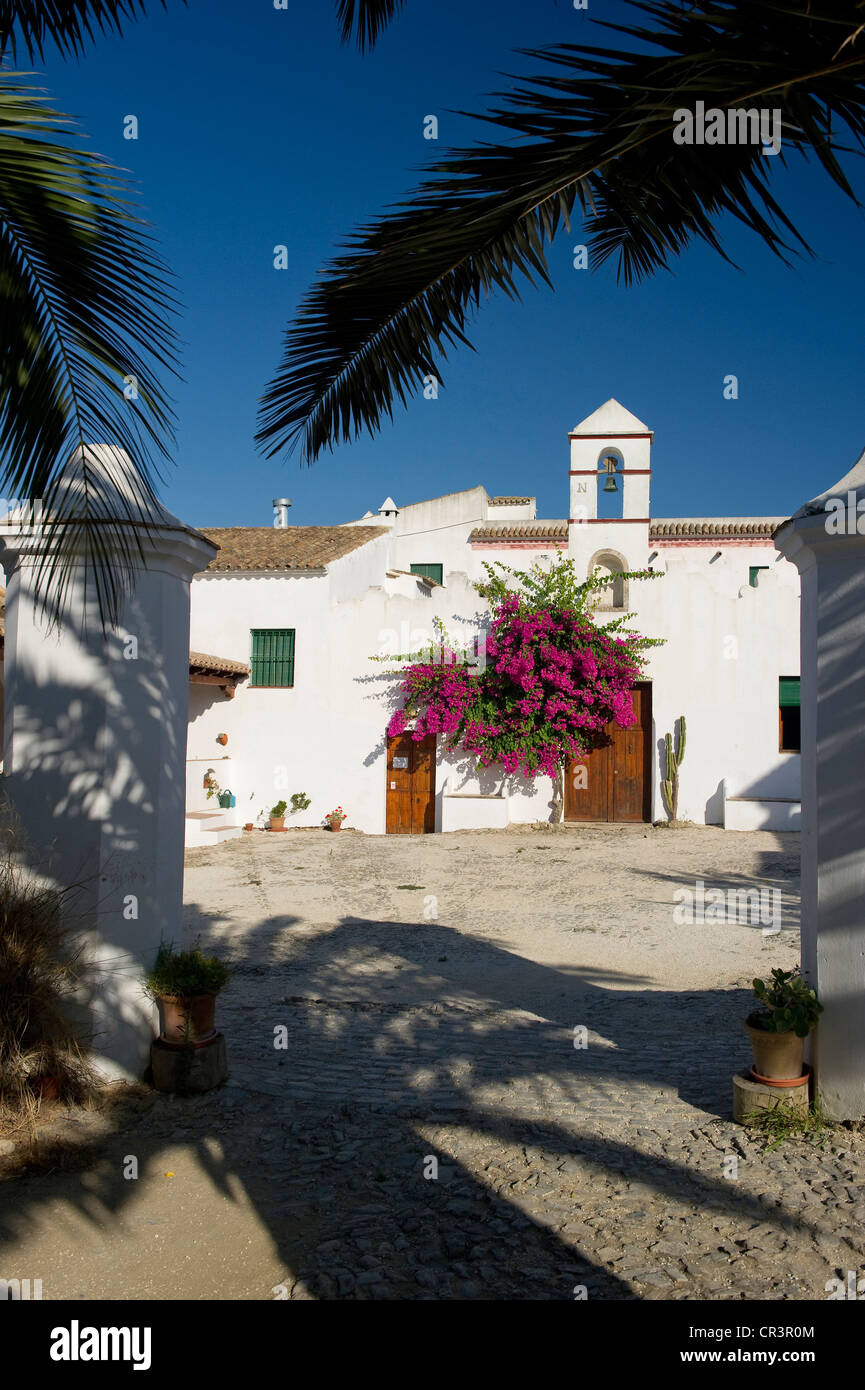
x=727, y=644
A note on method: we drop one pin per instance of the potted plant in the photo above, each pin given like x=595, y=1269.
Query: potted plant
x=222, y=738
x=211, y=785
x=185, y=985
x=300, y=802
x=779, y=1028
x=336, y=818
x=277, y=815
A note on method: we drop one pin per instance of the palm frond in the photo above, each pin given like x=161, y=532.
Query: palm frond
x=366, y=19
x=594, y=128
x=86, y=309
x=70, y=24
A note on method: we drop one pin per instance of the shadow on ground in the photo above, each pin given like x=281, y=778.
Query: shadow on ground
x=333, y=1139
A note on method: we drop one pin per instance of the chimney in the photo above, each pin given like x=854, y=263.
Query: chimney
x=280, y=510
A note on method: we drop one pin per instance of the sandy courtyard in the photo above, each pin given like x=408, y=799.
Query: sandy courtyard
x=483, y=1065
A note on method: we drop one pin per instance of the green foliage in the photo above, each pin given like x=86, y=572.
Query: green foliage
x=300, y=801
x=789, y=1004
x=547, y=680
x=211, y=786
x=40, y=971
x=279, y=809
x=541, y=588
x=185, y=974
x=556, y=588
x=786, y=1120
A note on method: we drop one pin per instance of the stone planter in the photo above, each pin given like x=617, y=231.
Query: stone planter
x=777, y=1056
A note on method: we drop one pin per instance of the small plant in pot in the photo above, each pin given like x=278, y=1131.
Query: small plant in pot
x=185, y=984
x=277, y=815
x=335, y=818
x=779, y=1028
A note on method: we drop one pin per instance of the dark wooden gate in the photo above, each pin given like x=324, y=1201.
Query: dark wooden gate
x=411, y=780
x=615, y=780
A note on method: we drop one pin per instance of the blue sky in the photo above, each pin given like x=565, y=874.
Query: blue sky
x=257, y=128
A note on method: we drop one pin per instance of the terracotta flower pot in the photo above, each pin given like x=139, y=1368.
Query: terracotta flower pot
x=249, y=825
x=222, y=738
x=186, y=1022
x=335, y=825
x=277, y=822
x=46, y=1087
x=776, y=1055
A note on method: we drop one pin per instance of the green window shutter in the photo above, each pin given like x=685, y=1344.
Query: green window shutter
x=788, y=693
x=272, y=656
x=753, y=571
x=429, y=572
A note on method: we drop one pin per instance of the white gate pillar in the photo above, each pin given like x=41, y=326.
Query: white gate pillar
x=825, y=540
x=95, y=766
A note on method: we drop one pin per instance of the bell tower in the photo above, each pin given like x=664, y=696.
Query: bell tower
x=610, y=478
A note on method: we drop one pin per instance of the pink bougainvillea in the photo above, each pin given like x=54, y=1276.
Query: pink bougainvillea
x=551, y=682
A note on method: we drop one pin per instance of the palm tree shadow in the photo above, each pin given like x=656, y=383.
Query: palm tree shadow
x=370, y=1090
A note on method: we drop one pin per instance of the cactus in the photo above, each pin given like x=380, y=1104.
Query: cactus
x=674, y=758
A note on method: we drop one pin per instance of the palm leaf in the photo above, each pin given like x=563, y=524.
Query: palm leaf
x=593, y=128
x=70, y=24
x=85, y=305
x=366, y=19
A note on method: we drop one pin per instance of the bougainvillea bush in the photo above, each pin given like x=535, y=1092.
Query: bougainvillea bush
x=549, y=681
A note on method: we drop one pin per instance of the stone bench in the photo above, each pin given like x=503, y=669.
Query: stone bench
x=762, y=812
x=474, y=810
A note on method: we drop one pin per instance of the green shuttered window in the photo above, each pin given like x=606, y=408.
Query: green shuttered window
x=272, y=656
x=789, y=715
x=429, y=572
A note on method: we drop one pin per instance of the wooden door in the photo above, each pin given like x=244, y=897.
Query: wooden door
x=411, y=775
x=613, y=783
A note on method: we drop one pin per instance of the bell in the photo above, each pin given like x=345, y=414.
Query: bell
x=611, y=485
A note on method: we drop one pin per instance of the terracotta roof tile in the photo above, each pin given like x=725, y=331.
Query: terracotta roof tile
x=514, y=530
x=285, y=547
x=509, y=501
x=670, y=528
x=217, y=665
x=729, y=527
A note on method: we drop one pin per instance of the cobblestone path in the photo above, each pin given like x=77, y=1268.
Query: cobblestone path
x=408, y=1115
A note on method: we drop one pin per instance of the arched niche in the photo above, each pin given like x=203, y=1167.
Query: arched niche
x=615, y=596
x=610, y=503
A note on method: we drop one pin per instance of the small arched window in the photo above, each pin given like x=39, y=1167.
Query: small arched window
x=608, y=562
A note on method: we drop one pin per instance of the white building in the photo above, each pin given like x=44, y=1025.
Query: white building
x=285, y=621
